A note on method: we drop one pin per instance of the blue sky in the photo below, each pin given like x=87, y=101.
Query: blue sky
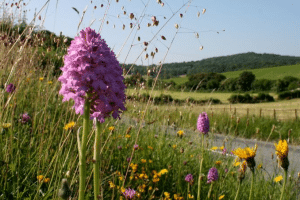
x=261, y=26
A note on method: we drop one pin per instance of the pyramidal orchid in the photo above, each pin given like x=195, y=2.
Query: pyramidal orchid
x=90, y=67
x=92, y=77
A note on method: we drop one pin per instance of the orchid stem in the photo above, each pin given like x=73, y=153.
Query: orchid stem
x=82, y=159
x=96, y=164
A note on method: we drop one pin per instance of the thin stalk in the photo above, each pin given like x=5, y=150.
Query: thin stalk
x=96, y=164
x=188, y=192
x=210, y=189
x=251, y=189
x=284, y=183
x=82, y=154
x=201, y=161
x=238, y=190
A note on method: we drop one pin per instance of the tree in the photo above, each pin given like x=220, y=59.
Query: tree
x=245, y=80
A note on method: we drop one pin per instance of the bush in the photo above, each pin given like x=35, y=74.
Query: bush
x=245, y=80
x=262, y=97
x=237, y=98
x=263, y=84
x=293, y=85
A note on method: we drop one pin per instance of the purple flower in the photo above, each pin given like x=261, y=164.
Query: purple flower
x=129, y=193
x=212, y=175
x=224, y=151
x=25, y=118
x=128, y=159
x=136, y=146
x=189, y=178
x=226, y=170
x=119, y=147
x=10, y=88
x=203, y=123
x=90, y=67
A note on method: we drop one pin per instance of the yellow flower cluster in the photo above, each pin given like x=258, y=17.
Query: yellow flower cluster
x=141, y=188
x=111, y=128
x=133, y=167
x=278, y=178
x=111, y=184
x=70, y=125
x=214, y=148
x=6, y=125
x=245, y=153
x=41, y=178
x=218, y=162
x=143, y=160
x=178, y=197
x=282, y=149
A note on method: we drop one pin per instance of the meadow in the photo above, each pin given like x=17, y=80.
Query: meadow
x=40, y=135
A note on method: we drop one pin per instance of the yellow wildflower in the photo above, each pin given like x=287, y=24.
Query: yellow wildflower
x=150, y=161
x=221, y=197
x=180, y=133
x=222, y=147
x=150, y=188
x=245, y=153
x=278, y=178
x=40, y=178
x=122, y=189
x=111, y=128
x=50, y=82
x=167, y=194
x=41, y=79
x=174, y=146
x=120, y=178
x=6, y=125
x=191, y=196
x=218, y=162
x=143, y=160
x=163, y=171
x=214, y=148
x=178, y=197
x=46, y=180
x=127, y=136
x=111, y=184
x=236, y=164
x=149, y=147
x=192, y=156
x=70, y=125
x=282, y=150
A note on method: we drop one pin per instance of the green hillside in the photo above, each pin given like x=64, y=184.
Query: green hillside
x=272, y=73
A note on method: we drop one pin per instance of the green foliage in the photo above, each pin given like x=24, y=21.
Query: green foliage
x=134, y=80
x=247, y=98
x=245, y=80
x=263, y=84
x=201, y=80
x=289, y=95
x=229, y=84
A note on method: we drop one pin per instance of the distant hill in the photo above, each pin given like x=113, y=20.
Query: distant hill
x=271, y=73
x=223, y=64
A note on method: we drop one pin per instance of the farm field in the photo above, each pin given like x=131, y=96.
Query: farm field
x=184, y=95
x=272, y=73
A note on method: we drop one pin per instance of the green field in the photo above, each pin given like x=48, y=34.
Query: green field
x=272, y=73
x=223, y=97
